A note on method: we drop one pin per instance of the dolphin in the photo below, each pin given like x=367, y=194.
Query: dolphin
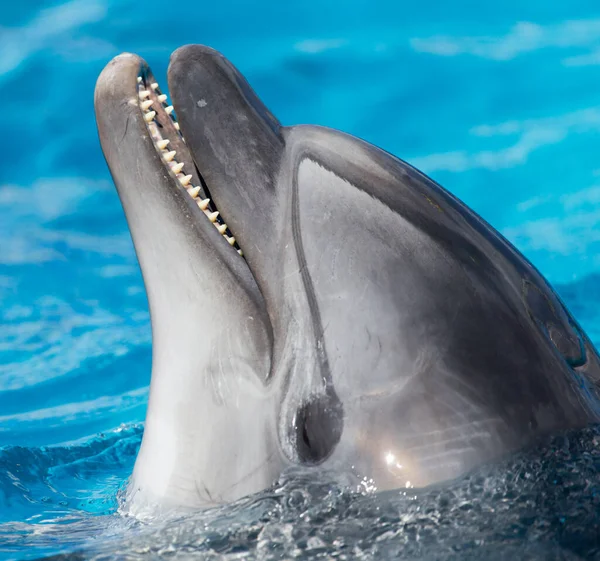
x=316, y=301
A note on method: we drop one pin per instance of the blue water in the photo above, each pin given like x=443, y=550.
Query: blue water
x=499, y=102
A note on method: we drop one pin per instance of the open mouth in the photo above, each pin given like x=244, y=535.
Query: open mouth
x=166, y=136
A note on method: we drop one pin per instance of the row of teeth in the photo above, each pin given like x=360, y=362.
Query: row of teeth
x=169, y=155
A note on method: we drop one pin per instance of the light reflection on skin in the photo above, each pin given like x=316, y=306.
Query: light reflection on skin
x=368, y=485
x=394, y=467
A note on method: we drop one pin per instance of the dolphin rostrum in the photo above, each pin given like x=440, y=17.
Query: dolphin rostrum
x=372, y=324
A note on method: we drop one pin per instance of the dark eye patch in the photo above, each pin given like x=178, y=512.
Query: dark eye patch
x=318, y=426
x=550, y=315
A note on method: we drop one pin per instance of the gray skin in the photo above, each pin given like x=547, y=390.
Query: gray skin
x=375, y=324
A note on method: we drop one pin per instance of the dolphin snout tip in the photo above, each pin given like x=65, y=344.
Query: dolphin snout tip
x=193, y=51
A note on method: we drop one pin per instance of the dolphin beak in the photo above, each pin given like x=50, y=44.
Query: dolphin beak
x=211, y=336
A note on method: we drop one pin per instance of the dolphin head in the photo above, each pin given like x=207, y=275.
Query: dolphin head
x=315, y=300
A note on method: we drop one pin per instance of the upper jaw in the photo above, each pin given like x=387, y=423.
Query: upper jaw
x=238, y=146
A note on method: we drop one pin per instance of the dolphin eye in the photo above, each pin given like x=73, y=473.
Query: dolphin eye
x=550, y=315
x=318, y=427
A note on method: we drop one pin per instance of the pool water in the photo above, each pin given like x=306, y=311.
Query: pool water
x=500, y=103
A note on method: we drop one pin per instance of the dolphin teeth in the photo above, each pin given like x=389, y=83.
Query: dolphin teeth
x=145, y=103
x=177, y=168
x=212, y=216
x=203, y=204
x=193, y=191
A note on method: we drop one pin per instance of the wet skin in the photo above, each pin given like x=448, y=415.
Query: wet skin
x=373, y=325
